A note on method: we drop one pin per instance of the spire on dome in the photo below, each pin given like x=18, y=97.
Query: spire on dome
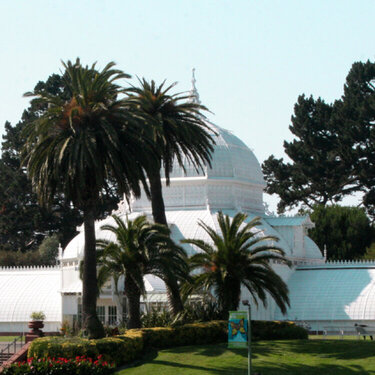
x=194, y=96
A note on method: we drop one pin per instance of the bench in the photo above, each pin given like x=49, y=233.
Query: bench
x=359, y=330
x=365, y=330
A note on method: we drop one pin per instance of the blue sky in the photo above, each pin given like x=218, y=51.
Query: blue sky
x=252, y=57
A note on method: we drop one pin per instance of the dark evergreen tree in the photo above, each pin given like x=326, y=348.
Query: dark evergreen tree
x=332, y=154
x=318, y=174
x=357, y=113
x=23, y=223
x=346, y=231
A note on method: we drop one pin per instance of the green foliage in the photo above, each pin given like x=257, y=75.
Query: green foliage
x=61, y=366
x=156, y=318
x=175, y=129
x=141, y=248
x=23, y=223
x=346, y=231
x=45, y=254
x=237, y=256
x=130, y=345
x=188, y=334
x=49, y=249
x=317, y=175
x=275, y=330
x=76, y=148
x=370, y=252
x=333, y=151
x=134, y=343
x=20, y=259
x=37, y=315
x=202, y=311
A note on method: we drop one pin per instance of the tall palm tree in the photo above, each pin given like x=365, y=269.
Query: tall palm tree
x=140, y=248
x=75, y=147
x=237, y=256
x=177, y=130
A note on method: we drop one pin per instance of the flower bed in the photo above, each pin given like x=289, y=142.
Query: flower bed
x=61, y=366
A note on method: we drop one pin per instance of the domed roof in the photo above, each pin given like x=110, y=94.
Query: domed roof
x=312, y=249
x=234, y=181
x=231, y=158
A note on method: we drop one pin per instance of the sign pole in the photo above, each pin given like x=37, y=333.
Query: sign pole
x=249, y=340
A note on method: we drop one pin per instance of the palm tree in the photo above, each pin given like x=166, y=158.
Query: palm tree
x=237, y=256
x=141, y=248
x=177, y=130
x=76, y=147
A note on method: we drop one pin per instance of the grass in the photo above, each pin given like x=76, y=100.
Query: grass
x=295, y=357
x=7, y=338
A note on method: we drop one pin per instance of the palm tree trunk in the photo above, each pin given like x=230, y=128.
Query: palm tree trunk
x=91, y=322
x=134, y=296
x=157, y=201
x=174, y=297
x=158, y=213
x=230, y=296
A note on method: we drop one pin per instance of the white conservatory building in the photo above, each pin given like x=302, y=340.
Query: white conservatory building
x=322, y=294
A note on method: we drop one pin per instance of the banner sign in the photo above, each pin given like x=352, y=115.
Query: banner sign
x=237, y=329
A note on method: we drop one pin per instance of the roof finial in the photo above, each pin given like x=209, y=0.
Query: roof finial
x=194, y=96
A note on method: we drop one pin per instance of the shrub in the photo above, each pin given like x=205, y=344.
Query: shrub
x=119, y=349
x=131, y=345
x=188, y=334
x=61, y=366
x=156, y=318
x=275, y=330
x=49, y=249
x=37, y=316
x=204, y=311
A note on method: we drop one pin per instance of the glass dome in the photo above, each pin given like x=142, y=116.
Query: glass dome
x=234, y=181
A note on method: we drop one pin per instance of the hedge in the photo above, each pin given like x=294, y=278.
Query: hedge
x=131, y=345
x=275, y=330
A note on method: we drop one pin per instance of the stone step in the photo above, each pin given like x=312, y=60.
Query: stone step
x=4, y=357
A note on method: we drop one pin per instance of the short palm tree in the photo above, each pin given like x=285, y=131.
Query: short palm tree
x=76, y=147
x=176, y=129
x=237, y=256
x=141, y=248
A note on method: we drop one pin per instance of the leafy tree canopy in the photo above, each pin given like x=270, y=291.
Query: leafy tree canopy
x=23, y=222
x=332, y=153
x=345, y=231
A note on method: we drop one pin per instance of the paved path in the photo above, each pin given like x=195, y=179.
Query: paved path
x=3, y=344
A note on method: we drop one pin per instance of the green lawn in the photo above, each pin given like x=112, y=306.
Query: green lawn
x=7, y=338
x=299, y=357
